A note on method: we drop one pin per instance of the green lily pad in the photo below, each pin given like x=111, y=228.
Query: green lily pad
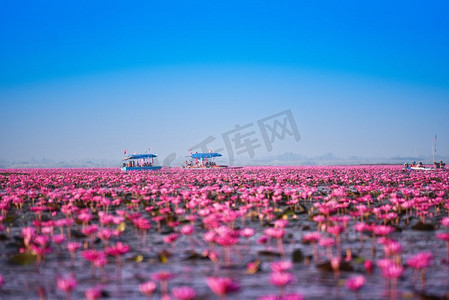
x=327, y=267
x=192, y=255
x=163, y=256
x=420, y=226
x=121, y=227
x=269, y=253
x=358, y=260
x=23, y=259
x=297, y=256
x=10, y=218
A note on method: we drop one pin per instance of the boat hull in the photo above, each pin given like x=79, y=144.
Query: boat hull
x=420, y=169
x=152, y=168
x=204, y=167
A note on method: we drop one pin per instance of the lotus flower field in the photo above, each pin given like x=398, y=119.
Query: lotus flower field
x=364, y=232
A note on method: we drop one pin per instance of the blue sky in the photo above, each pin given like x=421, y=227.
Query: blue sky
x=87, y=79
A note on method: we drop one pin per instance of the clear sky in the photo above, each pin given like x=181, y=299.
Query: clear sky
x=88, y=79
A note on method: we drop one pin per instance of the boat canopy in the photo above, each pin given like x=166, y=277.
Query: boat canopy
x=205, y=155
x=140, y=156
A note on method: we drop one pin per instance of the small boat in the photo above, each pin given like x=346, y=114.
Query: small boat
x=421, y=168
x=203, y=161
x=139, y=162
x=417, y=167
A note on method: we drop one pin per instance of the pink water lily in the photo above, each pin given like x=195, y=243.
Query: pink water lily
x=355, y=283
x=419, y=262
x=93, y=293
x=237, y=221
x=148, y=288
x=67, y=285
x=183, y=293
x=222, y=286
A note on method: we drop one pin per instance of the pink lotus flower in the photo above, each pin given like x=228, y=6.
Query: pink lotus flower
x=163, y=276
x=147, y=288
x=58, y=239
x=28, y=234
x=85, y=217
x=326, y=242
x=368, y=265
x=280, y=279
x=117, y=249
x=276, y=233
x=189, y=230
x=419, y=263
x=221, y=286
x=247, y=232
x=420, y=260
x=284, y=297
x=73, y=246
x=91, y=254
x=209, y=236
x=263, y=239
x=445, y=221
x=183, y=293
x=311, y=237
x=443, y=236
x=392, y=248
x=93, y=293
x=280, y=223
x=382, y=230
x=355, y=283
x=104, y=234
x=90, y=230
x=226, y=241
x=392, y=271
x=171, y=239
x=319, y=219
x=360, y=227
x=67, y=285
x=41, y=240
x=335, y=230
x=281, y=266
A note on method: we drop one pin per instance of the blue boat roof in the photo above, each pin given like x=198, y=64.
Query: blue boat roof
x=206, y=155
x=140, y=156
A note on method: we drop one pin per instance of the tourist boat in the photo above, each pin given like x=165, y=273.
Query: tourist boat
x=421, y=167
x=418, y=168
x=139, y=162
x=203, y=161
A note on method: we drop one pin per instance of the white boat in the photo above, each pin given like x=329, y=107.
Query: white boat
x=203, y=161
x=139, y=162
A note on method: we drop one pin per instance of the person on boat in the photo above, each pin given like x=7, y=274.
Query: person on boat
x=439, y=165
